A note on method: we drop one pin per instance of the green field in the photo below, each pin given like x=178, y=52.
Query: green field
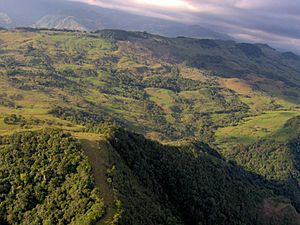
x=255, y=128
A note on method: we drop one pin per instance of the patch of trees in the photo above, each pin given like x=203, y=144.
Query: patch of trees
x=76, y=115
x=250, y=50
x=127, y=91
x=202, y=43
x=71, y=73
x=7, y=103
x=175, y=84
x=80, y=116
x=190, y=184
x=29, y=80
x=121, y=35
x=125, y=85
x=27, y=123
x=105, y=128
x=275, y=160
x=31, y=29
x=14, y=119
x=46, y=179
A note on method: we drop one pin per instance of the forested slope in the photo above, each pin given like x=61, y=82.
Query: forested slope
x=190, y=184
x=46, y=179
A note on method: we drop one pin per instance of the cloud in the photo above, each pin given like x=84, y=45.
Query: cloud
x=172, y=4
x=270, y=21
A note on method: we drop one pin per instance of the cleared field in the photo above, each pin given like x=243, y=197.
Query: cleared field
x=162, y=97
x=254, y=128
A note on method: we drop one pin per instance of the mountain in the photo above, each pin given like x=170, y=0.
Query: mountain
x=65, y=14
x=5, y=19
x=121, y=127
x=59, y=22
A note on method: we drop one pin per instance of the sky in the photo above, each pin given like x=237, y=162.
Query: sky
x=276, y=22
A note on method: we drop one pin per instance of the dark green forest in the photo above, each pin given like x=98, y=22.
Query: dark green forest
x=46, y=179
x=191, y=184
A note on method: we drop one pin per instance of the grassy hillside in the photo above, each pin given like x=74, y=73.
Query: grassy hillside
x=241, y=99
x=144, y=82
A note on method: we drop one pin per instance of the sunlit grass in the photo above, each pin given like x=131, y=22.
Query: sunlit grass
x=254, y=128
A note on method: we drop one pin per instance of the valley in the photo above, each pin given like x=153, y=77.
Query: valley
x=160, y=121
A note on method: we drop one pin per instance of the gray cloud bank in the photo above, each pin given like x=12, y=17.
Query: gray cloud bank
x=276, y=22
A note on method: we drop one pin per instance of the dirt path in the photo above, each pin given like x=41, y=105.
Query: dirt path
x=96, y=149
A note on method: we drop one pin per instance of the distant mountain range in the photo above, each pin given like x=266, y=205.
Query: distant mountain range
x=59, y=22
x=62, y=14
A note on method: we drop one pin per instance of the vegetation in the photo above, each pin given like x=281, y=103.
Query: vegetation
x=240, y=99
x=102, y=78
x=45, y=178
x=190, y=184
x=275, y=158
